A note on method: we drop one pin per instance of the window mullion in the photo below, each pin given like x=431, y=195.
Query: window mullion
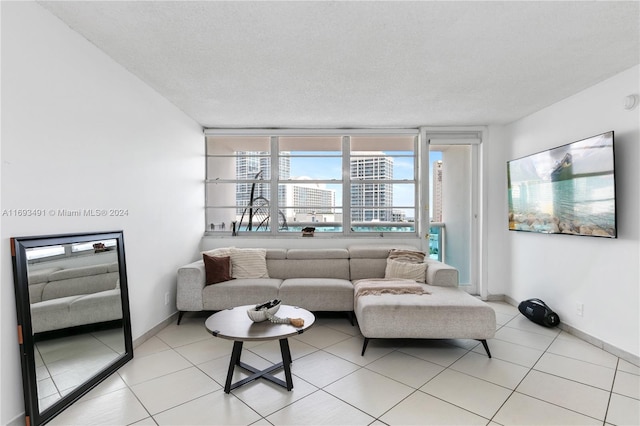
x=274, y=185
x=346, y=185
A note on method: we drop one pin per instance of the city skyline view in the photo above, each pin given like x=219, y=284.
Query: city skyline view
x=315, y=166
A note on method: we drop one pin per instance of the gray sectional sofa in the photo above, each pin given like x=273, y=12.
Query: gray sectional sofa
x=322, y=280
x=62, y=298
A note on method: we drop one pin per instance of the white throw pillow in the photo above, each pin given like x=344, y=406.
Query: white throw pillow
x=410, y=271
x=249, y=263
x=219, y=252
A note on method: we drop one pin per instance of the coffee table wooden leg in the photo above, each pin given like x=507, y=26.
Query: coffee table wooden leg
x=286, y=362
x=235, y=360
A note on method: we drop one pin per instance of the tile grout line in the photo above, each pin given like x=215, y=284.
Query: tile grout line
x=413, y=392
x=564, y=378
x=613, y=382
x=513, y=391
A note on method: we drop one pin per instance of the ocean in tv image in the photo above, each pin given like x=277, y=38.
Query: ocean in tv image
x=569, y=189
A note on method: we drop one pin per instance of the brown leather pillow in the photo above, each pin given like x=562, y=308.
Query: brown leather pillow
x=217, y=269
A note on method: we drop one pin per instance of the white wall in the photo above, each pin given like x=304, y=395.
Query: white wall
x=81, y=132
x=563, y=270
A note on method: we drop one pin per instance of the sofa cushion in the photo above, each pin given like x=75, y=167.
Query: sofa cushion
x=273, y=253
x=313, y=254
x=367, y=268
x=374, y=251
x=41, y=275
x=249, y=263
x=83, y=271
x=35, y=292
x=97, y=307
x=309, y=268
x=410, y=271
x=317, y=294
x=370, y=260
x=69, y=282
x=217, y=269
x=51, y=314
x=238, y=292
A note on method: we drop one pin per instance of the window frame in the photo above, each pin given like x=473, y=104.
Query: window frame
x=345, y=204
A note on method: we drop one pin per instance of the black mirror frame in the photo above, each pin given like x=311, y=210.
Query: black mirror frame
x=33, y=415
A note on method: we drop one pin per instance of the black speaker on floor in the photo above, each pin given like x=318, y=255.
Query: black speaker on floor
x=538, y=311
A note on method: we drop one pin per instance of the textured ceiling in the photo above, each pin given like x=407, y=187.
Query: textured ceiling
x=361, y=64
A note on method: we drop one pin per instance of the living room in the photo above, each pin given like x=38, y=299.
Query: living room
x=81, y=131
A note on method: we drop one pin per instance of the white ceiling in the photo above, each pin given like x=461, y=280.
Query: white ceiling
x=362, y=64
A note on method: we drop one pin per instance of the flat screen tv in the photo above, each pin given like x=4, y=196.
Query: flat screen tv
x=565, y=190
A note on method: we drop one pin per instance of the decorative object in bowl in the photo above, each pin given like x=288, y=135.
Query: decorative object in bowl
x=259, y=312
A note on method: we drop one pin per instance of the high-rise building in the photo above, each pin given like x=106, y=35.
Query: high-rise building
x=368, y=200
x=308, y=199
x=248, y=165
x=436, y=206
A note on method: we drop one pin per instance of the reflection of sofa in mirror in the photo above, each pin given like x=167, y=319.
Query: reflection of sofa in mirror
x=62, y=298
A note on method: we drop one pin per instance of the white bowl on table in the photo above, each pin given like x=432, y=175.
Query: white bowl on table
x=261, y=315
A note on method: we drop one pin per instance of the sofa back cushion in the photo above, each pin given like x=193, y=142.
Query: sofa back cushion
x=37, y=281
x=310, y=263
x=370, y=260
x=83, y=280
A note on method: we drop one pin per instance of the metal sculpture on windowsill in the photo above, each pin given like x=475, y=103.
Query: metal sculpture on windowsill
x=258, y=212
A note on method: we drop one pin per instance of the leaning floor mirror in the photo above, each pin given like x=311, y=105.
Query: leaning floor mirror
x=74, y=327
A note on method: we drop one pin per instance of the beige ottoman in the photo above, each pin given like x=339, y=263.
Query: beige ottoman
x=444, y=313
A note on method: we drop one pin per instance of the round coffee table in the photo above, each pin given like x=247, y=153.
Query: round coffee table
x=234, y=324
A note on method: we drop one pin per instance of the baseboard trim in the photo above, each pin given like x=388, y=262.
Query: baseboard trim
x=149, y=334
x=620, y=353
x=496, y=298
x=19, y=420
x=629, y=357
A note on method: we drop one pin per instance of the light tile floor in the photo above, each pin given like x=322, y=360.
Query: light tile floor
x=537, y=376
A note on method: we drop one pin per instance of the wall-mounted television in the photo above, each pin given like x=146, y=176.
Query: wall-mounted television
x=565, y=190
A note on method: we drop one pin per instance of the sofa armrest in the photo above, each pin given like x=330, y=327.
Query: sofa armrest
x=441, y=274
x=191, y=281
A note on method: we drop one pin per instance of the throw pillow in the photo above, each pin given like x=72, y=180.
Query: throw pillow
x=410, y=271
x=409, y=256
x=249, y=263
x=216, y=269
x=220, y=252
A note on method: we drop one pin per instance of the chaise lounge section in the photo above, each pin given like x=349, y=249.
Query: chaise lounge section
x=443, y=311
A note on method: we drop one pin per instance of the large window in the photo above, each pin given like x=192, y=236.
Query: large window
x=338, y=183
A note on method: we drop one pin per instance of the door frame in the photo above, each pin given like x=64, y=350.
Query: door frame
x=473, y=136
